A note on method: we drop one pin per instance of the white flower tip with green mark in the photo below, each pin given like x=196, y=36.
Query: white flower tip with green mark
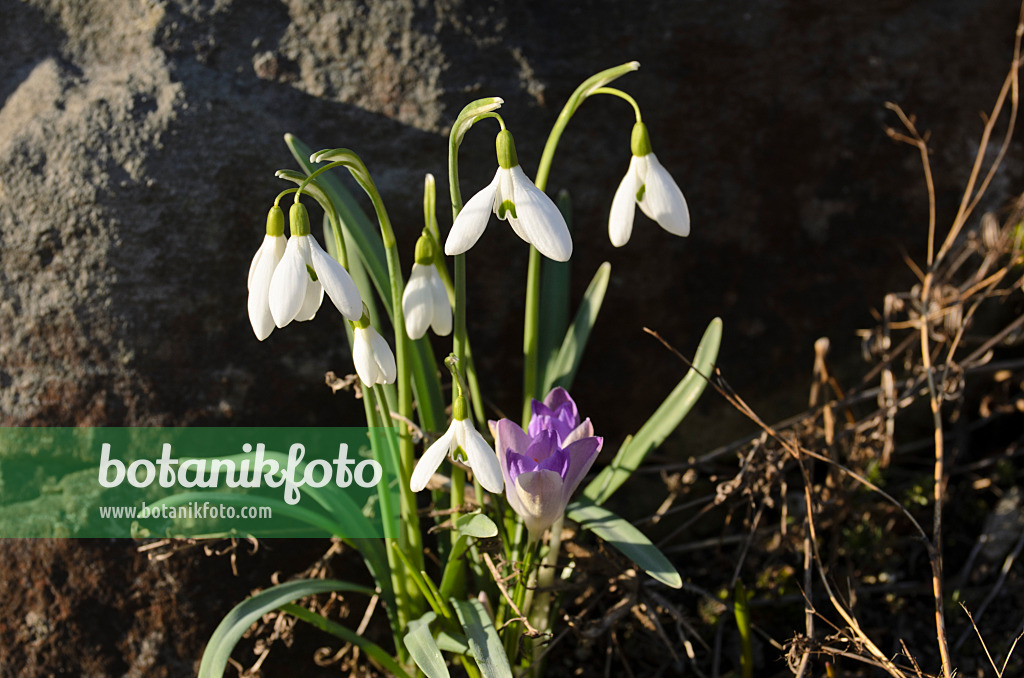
x=647, y=184
x=529, y=211
x=480, y=457
x=302, y=277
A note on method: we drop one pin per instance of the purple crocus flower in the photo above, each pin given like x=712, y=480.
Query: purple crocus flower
x=544, y=465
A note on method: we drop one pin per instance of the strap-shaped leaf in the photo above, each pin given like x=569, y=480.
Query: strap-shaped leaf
x=626, y=538
x=422, y=647
x=561, y=371
x=231, y=628
x=665, y=420
x=554, y=299
x=475, y=525
x=483, y=639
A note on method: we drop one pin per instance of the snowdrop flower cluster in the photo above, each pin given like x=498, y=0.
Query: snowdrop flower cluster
x=460, y=434
x=512, y=197
x=287, y=282
x=650, y=186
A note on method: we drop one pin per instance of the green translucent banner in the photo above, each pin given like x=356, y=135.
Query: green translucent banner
x=198, y=482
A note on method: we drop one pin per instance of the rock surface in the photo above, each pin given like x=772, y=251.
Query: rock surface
x=139, y=141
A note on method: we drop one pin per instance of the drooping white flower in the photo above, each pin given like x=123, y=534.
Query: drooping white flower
x=304, y=273
x=261, y=271
x=512, y=197
x=374, y=361
x=480, y=457
x=425, y=300
x=650, y=186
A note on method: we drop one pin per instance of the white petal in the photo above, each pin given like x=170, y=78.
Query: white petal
x=260, y=318
x=431, y=459
x=540, y=219
x=336, y=282
x=387, y=370
x=416, y=302
x=441, y=318
x=480, y=456
x=663, y=201
x=362, y=356
x=507, y=192
x=620, y=219
x=472, y=220
x=288, y=286
x=255, y=262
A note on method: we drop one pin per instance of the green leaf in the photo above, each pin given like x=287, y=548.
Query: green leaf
x=665, y=420
x=473, y=525
x=626, y=538
x=422, y=647
x=231, y=628
x=375, y=652
x=554, y=299
x=483, y=639
x=561, y=371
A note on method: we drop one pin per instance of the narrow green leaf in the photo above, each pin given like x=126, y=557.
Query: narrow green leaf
x=554, y=300
x=665, y=420
x=422, y=647
x=626, y=538
x=375, y=652
x=455, y=643
x=231, y=628
x=561, y=370
x=483, y=638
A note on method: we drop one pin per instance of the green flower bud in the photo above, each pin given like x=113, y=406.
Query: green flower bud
x=424, y=251
x=640, y=142
x=506, y=147
x=460, y=410
x=275, y=221
x=299, y=219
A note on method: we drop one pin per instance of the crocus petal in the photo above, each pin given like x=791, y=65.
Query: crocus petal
x=417, y=300
x=663, y=201
x=336, y=282
x=539, y=218
x=582, y=455
x=540, y=495
x=288, y=286
x=362, y=356
x=481, y=457
x=584, y=430
x=430, y=460
x=472, y=220
x=387, y=369
x=620, y=219
x=441, y=317
x=259, y=285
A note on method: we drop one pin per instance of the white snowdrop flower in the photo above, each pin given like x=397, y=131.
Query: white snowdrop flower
x=650, y=186
x=480, y=457
x=373, y=358
x=304, y=273
x=512, y=197
x=425, y=300
x=261, y=271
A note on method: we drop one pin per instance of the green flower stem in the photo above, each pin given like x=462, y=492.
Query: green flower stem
x=622, y=95
x=531, y=333
x=531, y=322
